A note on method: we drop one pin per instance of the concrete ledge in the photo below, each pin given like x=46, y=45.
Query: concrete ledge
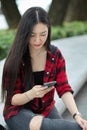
x=74, y=50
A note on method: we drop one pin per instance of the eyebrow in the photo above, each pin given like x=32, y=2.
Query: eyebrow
x=39, y=33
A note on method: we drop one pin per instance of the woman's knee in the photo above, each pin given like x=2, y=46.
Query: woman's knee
x=35, y=123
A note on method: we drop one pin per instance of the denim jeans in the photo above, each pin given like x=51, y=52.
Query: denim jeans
x=53, y=122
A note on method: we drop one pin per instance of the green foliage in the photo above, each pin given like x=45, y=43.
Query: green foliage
x=67, y=30
x=6, y=39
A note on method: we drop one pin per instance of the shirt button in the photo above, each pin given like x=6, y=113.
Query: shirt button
x=43, y=101
x=23, y=64
x=52, y=59
x=47, y=73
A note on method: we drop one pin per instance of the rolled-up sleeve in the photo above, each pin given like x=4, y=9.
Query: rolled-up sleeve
x=62, y=85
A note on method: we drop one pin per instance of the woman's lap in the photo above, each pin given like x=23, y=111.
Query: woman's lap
x=55, y=122
x=59, y=124
x=22, y=120
x=54, y=114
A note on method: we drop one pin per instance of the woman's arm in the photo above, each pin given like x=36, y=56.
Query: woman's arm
x=38, y=91
x=22, y=98
x=71, y=105
x=70, y=102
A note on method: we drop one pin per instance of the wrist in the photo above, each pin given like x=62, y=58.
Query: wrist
x=76, y=114
x=31, y=94
x=28, y=95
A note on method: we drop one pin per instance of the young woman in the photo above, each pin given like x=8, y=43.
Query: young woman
x=32, y=61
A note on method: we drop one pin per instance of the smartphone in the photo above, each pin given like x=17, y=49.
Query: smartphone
x=49, y=84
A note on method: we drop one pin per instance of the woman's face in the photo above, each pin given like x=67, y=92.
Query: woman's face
x=38, y=36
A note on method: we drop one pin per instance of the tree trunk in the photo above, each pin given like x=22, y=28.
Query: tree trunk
x=57, y=11
x=77, y=10
x=11, y=12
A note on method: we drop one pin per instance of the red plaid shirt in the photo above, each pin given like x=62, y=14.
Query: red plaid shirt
x=54, y=70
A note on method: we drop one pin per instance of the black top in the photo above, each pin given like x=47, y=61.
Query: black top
x=38, y=77
x=38, y=80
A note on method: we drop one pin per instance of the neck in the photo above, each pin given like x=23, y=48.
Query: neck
x=36, y=52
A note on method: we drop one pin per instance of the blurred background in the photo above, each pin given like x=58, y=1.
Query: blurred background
x=22, y=6
x=68, y=18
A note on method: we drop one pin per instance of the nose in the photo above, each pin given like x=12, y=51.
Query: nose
x=37, y=39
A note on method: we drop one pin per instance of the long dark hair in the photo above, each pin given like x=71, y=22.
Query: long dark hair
x=19, y=49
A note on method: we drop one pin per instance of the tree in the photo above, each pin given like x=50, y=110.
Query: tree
x=77, y=10
x=58, y=11
x=11, y=12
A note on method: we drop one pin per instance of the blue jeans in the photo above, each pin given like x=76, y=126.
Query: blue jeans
x=53, y=122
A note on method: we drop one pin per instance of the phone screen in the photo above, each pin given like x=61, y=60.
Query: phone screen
x=49, y=84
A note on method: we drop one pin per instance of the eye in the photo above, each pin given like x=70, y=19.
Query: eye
x=43, y=34
x=32, y=35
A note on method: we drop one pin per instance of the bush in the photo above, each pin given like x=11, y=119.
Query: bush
x=67, y=30
x=6, y=38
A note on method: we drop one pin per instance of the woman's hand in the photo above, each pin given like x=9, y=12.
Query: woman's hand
x=82, y=122
x=38, y=91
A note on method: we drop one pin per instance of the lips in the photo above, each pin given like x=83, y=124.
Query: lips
x=37, y=45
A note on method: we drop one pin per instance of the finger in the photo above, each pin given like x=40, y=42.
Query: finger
x=50, y=88
x=38, y=86
x=44, y=87
x=47, y=90
x=84, y=122
x=83, y=125
x=42, y=91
